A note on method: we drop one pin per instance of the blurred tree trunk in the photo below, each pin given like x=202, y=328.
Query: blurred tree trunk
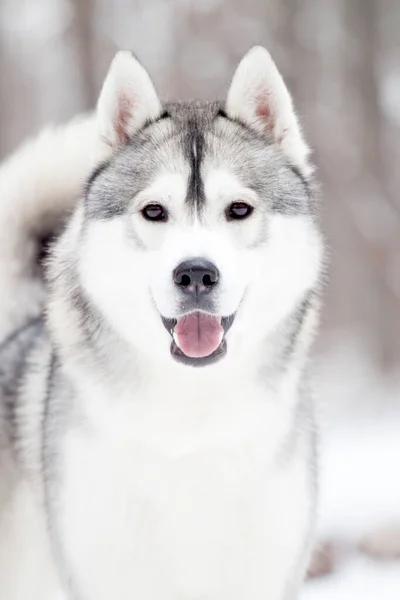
x=84, y=13
x=362, y=16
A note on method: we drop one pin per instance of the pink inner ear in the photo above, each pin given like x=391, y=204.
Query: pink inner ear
x=124, y=115
x=264, y=112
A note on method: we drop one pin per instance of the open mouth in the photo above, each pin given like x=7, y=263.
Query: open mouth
x=198, y=338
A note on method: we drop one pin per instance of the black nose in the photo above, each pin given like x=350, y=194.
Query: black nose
x=196, y=276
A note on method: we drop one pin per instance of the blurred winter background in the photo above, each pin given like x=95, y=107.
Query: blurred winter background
x=341, y=60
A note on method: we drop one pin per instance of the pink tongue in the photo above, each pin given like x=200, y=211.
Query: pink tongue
x=198, y=335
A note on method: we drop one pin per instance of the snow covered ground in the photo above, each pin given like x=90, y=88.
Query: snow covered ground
x=360, y=479
x=358, y=578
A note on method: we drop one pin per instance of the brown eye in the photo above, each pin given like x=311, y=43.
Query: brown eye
x=238, y=210
x=154, y=212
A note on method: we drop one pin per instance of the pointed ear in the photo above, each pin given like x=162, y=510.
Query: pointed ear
x=127, y=100
x=259, y=98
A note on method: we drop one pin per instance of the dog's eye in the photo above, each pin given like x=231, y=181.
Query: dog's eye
x=154, y=212
x=238, y=210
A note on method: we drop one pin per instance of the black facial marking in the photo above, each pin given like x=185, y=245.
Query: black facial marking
x=150, y=122
x=195, y=149
x=164, y=115
x=303, y=180
x=99, y=169
x=222, y=113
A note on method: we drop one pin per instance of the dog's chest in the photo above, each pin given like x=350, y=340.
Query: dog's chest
x=177, y=509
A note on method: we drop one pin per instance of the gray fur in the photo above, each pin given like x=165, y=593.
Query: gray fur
x=205, y=127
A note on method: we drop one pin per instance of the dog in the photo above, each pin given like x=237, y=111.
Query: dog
x=158, y=421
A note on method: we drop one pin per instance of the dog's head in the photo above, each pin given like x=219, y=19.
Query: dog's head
x=201, y=221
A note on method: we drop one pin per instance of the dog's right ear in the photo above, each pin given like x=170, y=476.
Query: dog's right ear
x=127, y=100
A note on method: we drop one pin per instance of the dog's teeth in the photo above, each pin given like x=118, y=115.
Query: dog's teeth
x=175, y=338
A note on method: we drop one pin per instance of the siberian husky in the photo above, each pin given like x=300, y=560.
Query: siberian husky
x=158, y=434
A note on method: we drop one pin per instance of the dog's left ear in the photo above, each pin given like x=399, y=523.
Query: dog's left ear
x=259, y=98
x=127, y=100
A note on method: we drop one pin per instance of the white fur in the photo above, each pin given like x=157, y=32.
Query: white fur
x=193, y=448
x=200, y=525
x=171, y=485
x=289, y=263
x=127, y=100
x=259, y=97
x=39, y=185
